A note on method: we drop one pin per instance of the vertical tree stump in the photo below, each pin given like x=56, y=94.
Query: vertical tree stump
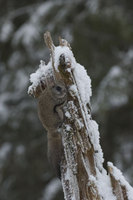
x=82, y=174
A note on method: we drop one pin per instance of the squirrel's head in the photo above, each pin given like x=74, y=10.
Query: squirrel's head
x=59, y=92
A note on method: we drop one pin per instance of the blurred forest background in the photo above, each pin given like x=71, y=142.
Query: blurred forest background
x=101, y=36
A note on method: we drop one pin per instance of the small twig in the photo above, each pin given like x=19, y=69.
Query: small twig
x=49, y=42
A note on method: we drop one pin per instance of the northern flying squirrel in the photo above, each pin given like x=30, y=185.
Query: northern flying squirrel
x=50, y=110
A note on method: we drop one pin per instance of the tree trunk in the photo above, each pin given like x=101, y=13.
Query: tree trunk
x=82, y=174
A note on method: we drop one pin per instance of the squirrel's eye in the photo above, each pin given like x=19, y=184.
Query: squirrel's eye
x=58, y=88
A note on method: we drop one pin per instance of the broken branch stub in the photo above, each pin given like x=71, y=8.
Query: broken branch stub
x=63, y=42
x=49, y=42
x=119, y=189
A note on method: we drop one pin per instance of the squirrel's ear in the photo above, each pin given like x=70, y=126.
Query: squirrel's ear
x=42, y=85
x=50, y=81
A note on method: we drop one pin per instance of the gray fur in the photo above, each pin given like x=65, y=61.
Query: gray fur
x=50, y=110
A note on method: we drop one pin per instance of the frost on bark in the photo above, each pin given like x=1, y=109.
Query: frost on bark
x=82, y=174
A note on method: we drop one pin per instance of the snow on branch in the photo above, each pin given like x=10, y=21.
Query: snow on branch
x=121, y=187
x=82, y=172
